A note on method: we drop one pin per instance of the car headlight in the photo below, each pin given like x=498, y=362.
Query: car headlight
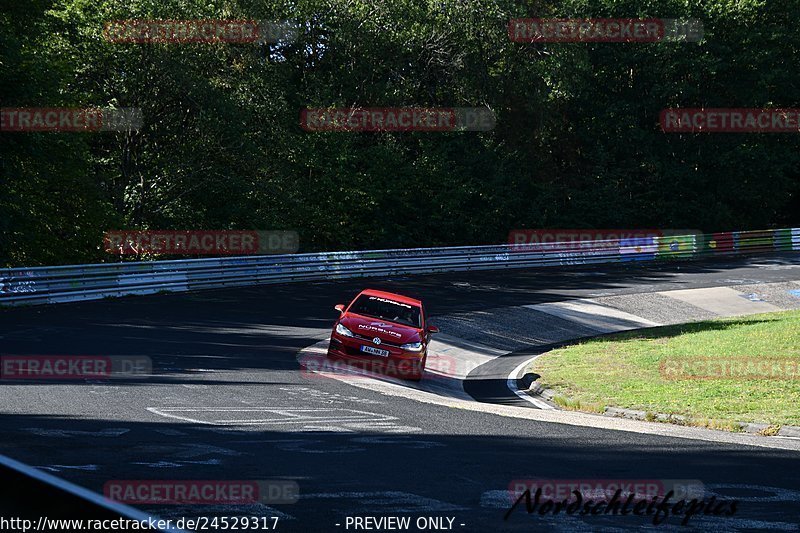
x=412, y=347
x=341, y=330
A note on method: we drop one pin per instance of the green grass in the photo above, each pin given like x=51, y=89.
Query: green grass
x=624, y=371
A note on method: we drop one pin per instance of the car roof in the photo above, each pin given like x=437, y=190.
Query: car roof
x=391, y=296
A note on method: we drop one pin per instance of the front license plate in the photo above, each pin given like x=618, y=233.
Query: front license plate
x=375, y=351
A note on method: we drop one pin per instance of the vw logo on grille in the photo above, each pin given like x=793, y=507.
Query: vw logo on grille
x=376, y=340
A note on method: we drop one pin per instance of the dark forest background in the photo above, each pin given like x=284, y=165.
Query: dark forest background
x=577, y=142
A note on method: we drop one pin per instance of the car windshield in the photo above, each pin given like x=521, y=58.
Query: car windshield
x=387, y=309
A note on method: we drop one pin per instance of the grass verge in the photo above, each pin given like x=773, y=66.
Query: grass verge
x=659, y=370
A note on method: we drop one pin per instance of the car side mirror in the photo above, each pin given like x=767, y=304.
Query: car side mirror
x=339, y=307
x=433, y=329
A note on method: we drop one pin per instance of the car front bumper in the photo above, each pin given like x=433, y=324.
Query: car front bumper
x=399, y=363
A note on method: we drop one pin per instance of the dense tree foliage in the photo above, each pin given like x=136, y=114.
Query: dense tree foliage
x=577, y=142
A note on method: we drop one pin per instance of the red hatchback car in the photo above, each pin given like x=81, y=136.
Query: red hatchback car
x=383, y=332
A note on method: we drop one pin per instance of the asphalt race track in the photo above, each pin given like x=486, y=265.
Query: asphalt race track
x=228, y=401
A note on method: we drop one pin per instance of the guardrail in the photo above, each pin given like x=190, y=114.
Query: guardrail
x=86, y=282
x=32, y=500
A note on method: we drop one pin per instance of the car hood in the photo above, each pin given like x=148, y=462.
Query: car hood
x=384, y=330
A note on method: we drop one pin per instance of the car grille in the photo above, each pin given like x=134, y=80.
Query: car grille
x=368, y=340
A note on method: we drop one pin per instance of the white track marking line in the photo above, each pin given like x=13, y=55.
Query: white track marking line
x=59, y=468
x=109, y=432
x=328, y=429
x=511, y=383
x=183, y=418
x=268, y=422
x=285, y=415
